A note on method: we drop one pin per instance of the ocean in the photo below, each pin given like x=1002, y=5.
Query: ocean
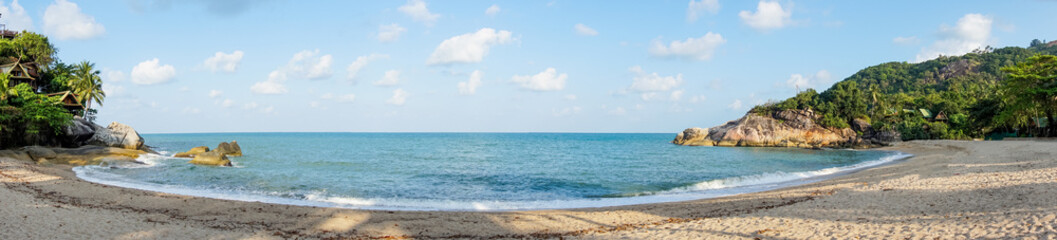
x=473, y=171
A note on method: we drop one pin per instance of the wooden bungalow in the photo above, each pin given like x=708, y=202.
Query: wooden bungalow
x=69, y=102
x=940, y=117
x=21, y=73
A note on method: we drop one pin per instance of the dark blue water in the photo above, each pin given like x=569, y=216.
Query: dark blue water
x=472, y=171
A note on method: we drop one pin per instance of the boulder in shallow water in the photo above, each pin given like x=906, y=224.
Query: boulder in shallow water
x=117, y=135
x=229, y=149
x=191, y=153
x=213, y=158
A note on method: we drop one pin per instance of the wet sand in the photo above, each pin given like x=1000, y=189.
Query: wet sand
x=950, y=189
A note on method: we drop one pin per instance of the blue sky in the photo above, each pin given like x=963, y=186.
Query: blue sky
x=492, y=66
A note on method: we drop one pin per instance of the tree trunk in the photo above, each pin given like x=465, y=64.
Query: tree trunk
x=1050, y=121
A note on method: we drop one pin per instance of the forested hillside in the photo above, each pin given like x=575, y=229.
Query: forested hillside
x=987, y=93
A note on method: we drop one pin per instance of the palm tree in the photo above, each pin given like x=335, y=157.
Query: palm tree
x=87, y=84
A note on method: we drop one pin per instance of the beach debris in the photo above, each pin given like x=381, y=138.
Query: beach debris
x=191, y=153
x=212, y=158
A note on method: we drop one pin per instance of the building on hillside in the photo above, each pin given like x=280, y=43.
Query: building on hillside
x=69, y=102
x=21, y=73
x=940, y=117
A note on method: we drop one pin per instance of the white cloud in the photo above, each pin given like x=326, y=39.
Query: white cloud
x=618, y=111
x=305, y=64
x=309, y=64
x=469, y=87
x=268, y=87
x=250, y=105
x=584, y=30
x=676, y=95
x=112, y=76
x=417, y=10
x=399, y=97
x=314, y=104
x=354, y=68
x=151, y=72
x=693, y=48
x=972, y=32
x=64, y=20
x=696, y=8
x=269, y=109
x=215, y=93
x=114, y=90
x=227, y=103
x=493, y=10
x=390, y=33
x=821, y=80
x=548, y=80
x=653, y=82
x=906, y=40
x=735, y=105
x=570, y=97
x=769, y=15
x=392, y=78
x=468, y=48
x=226, y=62
x=15, y=17
x=274, y=84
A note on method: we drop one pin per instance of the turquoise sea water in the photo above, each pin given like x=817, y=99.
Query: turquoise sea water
x=473, y=171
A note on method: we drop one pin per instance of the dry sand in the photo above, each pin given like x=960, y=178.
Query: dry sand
x=949, y=190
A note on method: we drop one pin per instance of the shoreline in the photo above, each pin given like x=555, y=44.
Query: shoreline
x=40, y=197
x=731, y=186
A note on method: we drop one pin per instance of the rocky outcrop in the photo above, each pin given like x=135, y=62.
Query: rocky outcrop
x=78, y=132
x=191, y=153
x=229, y=149
x=85, y=155
x=117, y=135
x=785, y=128
x=212, y=158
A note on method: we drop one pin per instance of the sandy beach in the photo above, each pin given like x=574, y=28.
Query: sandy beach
x=948, y=190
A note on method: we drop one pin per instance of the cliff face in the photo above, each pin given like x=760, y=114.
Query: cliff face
x=786, y=128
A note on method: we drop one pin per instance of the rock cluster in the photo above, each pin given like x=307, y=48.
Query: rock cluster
x=217, y=157
x=211, y=158
x=191, y=153
x=786, y=128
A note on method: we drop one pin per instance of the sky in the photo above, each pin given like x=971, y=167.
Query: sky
x=492, y=66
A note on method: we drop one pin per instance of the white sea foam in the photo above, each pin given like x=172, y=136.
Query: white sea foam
x=782, y=177
x=702, y=190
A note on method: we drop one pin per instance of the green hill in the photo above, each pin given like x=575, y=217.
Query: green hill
x=951, y=97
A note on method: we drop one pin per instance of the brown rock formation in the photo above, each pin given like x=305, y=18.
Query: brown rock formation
x=191, y=153
x=786, y=128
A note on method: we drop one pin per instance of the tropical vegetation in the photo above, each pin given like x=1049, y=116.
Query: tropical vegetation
x=29, y=116
x=988, y=93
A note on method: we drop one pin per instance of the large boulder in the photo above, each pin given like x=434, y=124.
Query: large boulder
x=786, y=128
x=38, y=153
x=191, y=153
x=117, y=135
x=213, y=158
x=78, y=132
x=229, y=149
